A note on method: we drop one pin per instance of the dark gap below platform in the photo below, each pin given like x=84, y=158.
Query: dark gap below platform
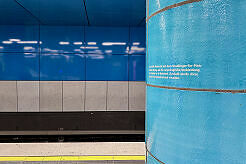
x=72, y=138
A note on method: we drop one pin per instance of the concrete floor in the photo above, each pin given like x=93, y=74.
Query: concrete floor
x=61, y=151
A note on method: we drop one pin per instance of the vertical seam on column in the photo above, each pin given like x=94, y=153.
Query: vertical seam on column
x=17, y=97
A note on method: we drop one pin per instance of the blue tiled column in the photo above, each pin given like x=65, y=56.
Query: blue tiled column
x=196, y=81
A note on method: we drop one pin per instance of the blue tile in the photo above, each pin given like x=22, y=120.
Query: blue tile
x=19, y=38
x=106, y=40
x=19, y=66
x=12, y=13
x=62, y=39
x=115, y=12
x=57, y=12
x=107, y=67
x=137, y=40
x=137, y=67
x=62, y=67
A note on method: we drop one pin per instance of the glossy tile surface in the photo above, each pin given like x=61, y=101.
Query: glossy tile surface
x=137, y=40
x=107, y=67
x=57, y=12
x=62, y=39
x=19, y=38
x=107, y=40
x=137, y=67
x=62, y=67
x=19, y=66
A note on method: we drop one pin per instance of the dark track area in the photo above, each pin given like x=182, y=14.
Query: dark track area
x=72, y=138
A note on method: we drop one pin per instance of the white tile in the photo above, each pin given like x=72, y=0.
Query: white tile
x=8, y=96
x=95, y=96
x=28, y=96
x=50, y=96
x=137, y=96
x=117, y=96
x=73, y=95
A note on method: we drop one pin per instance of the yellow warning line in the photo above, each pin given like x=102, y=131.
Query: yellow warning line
x=75, y=158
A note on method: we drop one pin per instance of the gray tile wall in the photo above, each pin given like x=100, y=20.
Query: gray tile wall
x=95, y=96
x=137, y=96
x=28, y=96
x=117, y=96
x=73, y=96
x=51, y=96
x=58, y=96
x=8, y=96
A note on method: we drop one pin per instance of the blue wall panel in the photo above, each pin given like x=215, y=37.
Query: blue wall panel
x=62, y=67
x=19, y=66
x=57, y=12
x=106, y=40
x=107, y=67
x=19, y=38
x=137, y=67
x=12, y=13
x=115, y=12
x=60, y=47
x=137, y=40
x=62, y=39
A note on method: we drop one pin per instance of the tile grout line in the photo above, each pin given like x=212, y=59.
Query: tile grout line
x=62, y=95
x=17, y=97
x=106, y=95
x=128, y=67
x=85, y=71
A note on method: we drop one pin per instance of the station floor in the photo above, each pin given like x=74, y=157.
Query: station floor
x=73, y=153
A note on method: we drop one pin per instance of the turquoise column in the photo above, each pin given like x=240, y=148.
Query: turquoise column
x=196, y=81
